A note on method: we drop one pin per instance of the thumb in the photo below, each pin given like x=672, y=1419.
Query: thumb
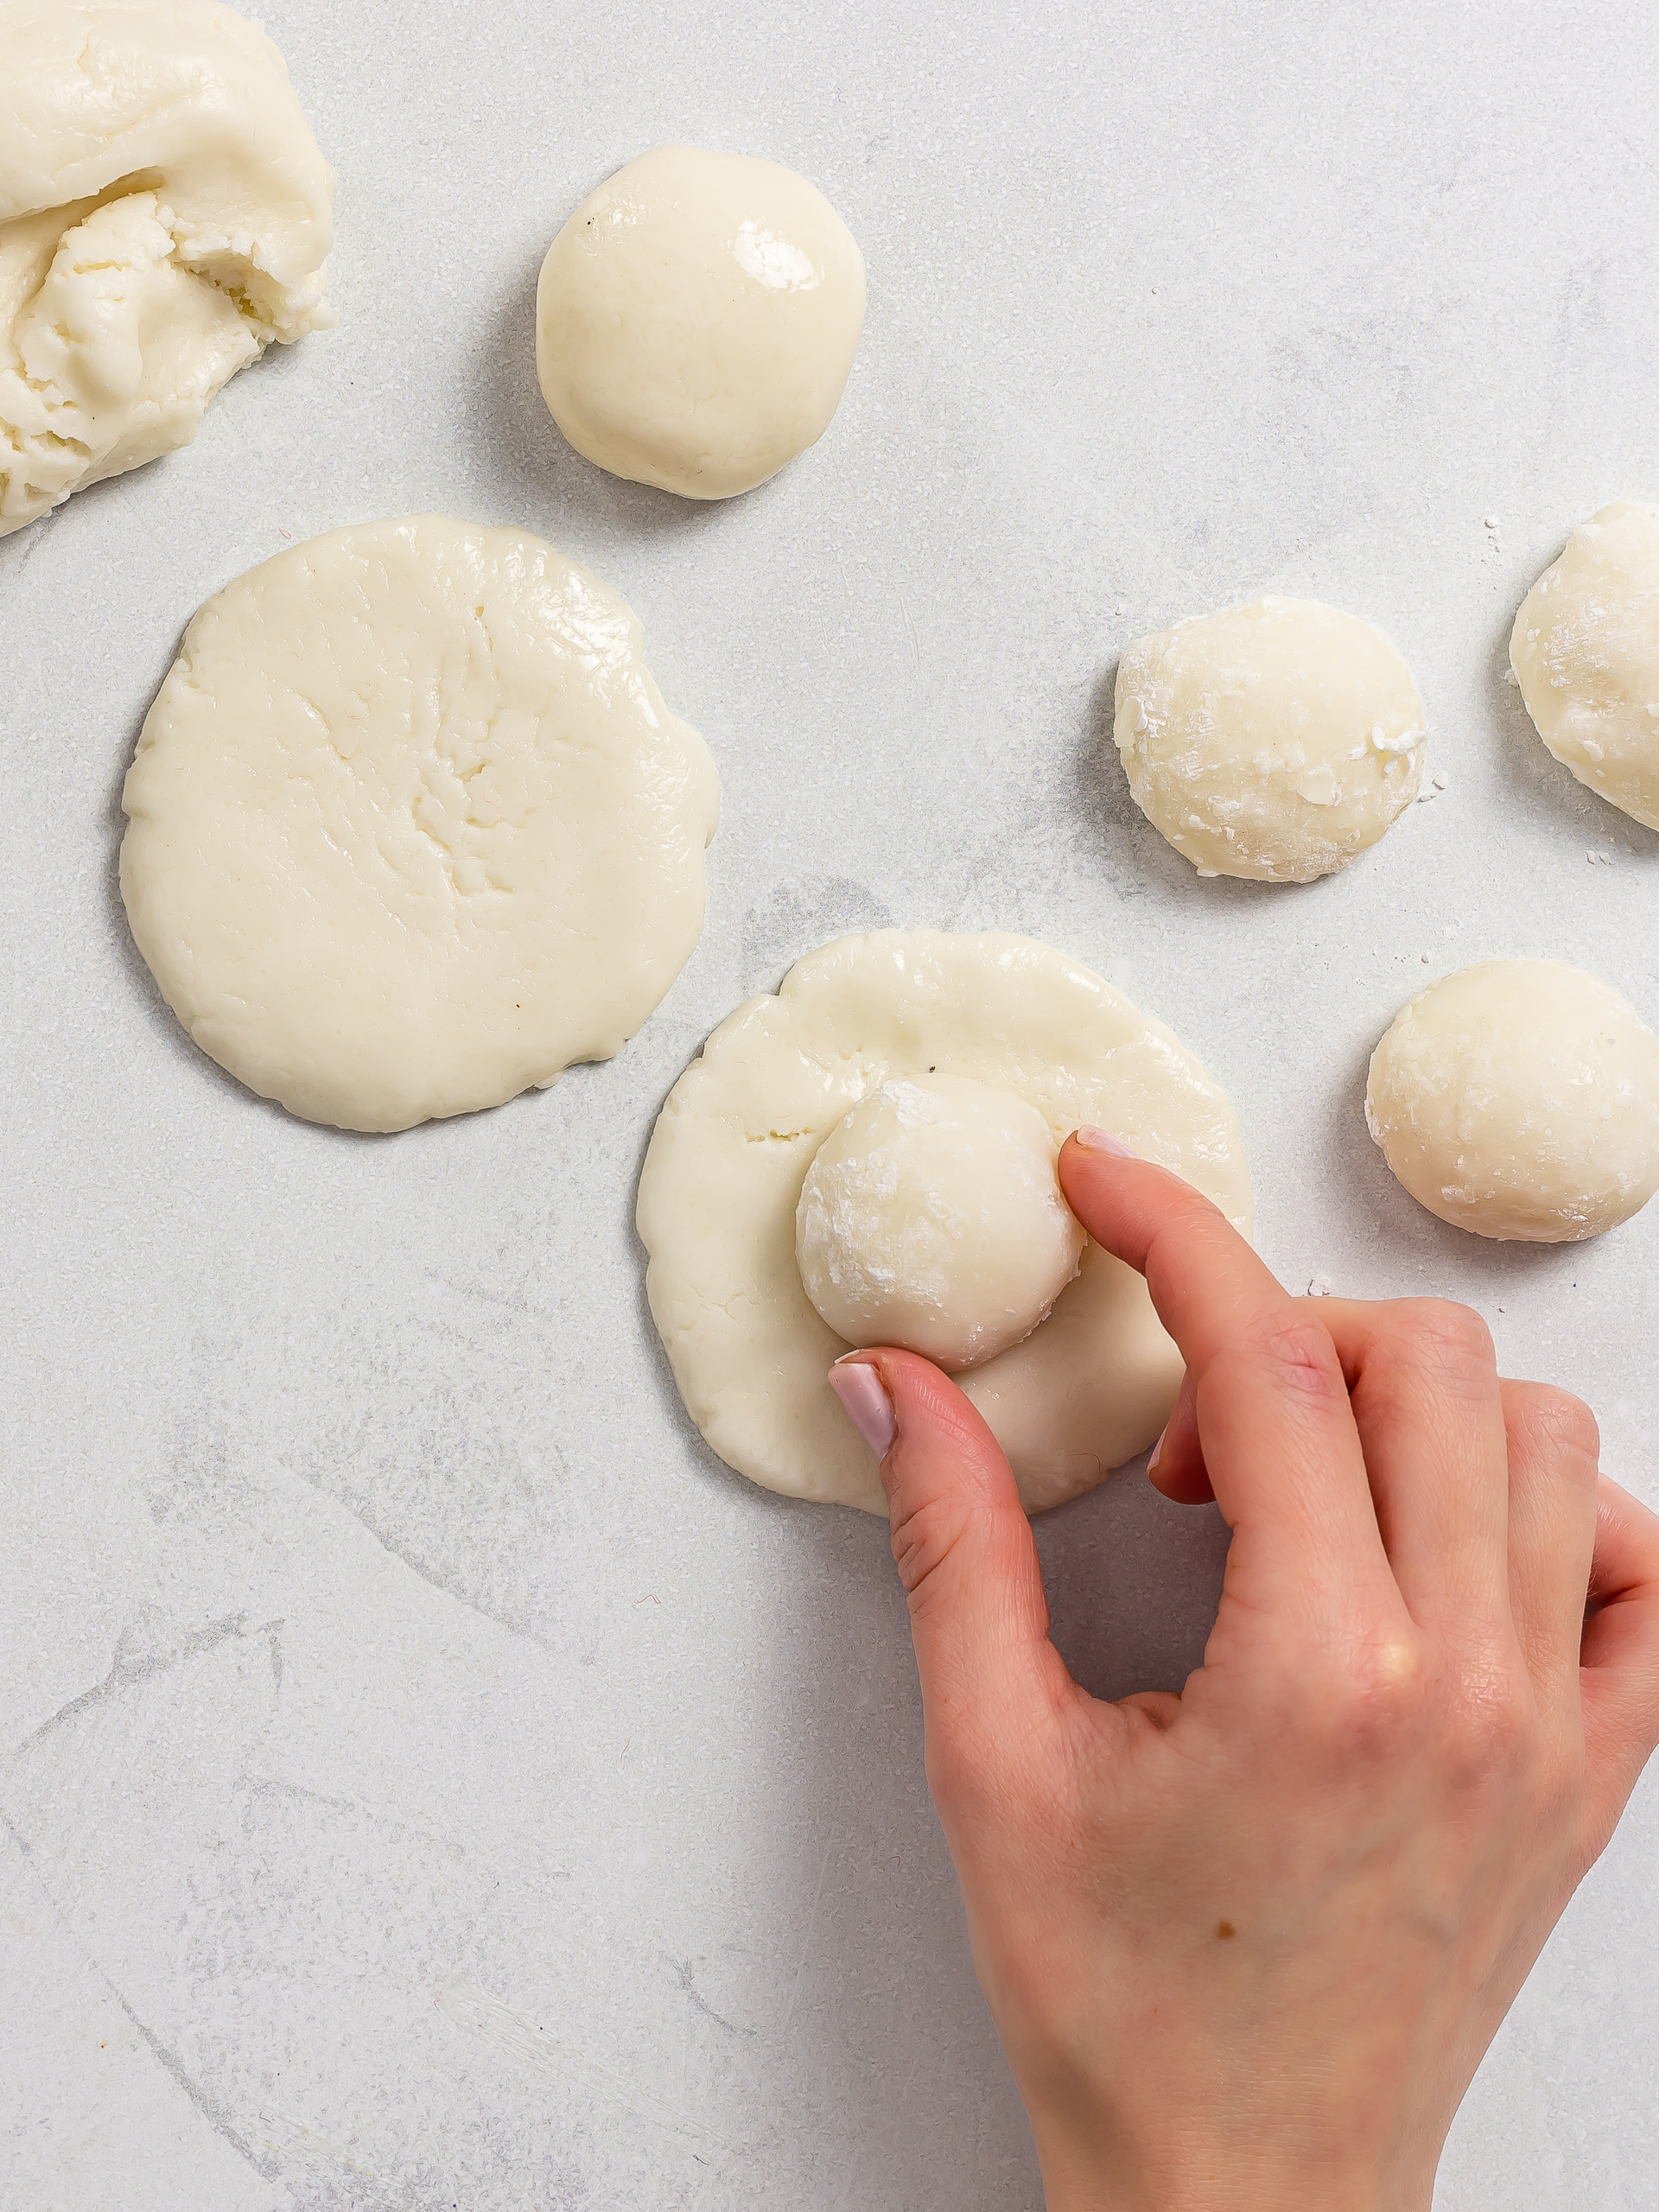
x=965, y=1552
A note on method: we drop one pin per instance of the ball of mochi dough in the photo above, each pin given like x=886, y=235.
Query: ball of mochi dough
x=932, y=1217
x=1585, y=653
x=1520, y=1098
x=1273, y=740
x=411, y=828
x=696, y=319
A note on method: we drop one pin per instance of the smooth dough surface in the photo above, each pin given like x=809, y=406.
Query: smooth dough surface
x=1093, y=1383
x=411, y=829
x=696, y=319
x=932, y=1217
x=1585, y=653
x=1273, y=740
x=164, y=215
x=1519, y=1099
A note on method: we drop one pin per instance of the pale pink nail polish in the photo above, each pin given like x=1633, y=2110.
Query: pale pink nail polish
x=1157, y=1454
x=1099, y=1140
x=865, y=1402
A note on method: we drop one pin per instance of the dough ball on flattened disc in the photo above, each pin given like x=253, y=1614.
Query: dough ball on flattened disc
x=1585, y=653
x=696, y=319
x=720, y=1201
x=1273, y=740
x=1520, y=1098
x=932, y=1217
x=411, y=828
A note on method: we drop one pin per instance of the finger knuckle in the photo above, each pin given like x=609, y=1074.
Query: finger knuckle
x=1491, y=1739
x=1450, y=1341
x=958, y=1779
x=1562, y=1426
x=979, y=1788
x=925, y=1535
x=1443, y=1327
x=1297, y=1350
x=1377, y=1703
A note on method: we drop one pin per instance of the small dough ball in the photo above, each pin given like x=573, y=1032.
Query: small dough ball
x=165, y=215
x=932, y=1217
x=1520, y=1098
x=1273, y=740
x=696, y=319
x=411, y=828
x=1585, y=653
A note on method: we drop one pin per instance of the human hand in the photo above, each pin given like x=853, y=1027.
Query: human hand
x=1246, y=1947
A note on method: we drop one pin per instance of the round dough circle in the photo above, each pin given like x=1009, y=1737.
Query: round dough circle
x=1093, y=1383
x=1519, y=1099
x=165, y=215
x=932, y=1217
x=1585, y=653
x=1273, y=740
x=411, y=829
x=696, y=319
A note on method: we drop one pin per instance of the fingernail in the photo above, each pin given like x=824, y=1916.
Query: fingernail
x=865, y=1402
x=1157, y=1454
x=1098, y=1140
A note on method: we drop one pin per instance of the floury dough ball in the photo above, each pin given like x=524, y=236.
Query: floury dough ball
x=696, y=319
x=1520, y=1098
x=932, y=1217
x=1585, y=653
x=1273, y=740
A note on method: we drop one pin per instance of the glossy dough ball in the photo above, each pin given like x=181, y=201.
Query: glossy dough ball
x=932, y=1217
x=1585, y=653
x=1520, y=1098
x=696, y=319
x=1273, y=740
x=411, y=828
x=720, y=1201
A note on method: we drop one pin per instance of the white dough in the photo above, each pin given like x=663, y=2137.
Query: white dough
x=411, y=829
x=696, y=319
x=932, y=1217
x=1273, y=740
x=164, y=215
x=1585, y=653
x=1093, y=1384
x=1520, y=1098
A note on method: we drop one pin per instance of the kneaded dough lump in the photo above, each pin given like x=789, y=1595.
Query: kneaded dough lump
x=1520, y=1098
x=1273, y=740
x=164, y=215
x=932, y=1217
x=696, y=319
x=411, y=829
x=720, y=1197
x=1585, y=653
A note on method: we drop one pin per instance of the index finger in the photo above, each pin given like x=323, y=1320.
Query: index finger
x=1205, y=1281
x=1278, y=1433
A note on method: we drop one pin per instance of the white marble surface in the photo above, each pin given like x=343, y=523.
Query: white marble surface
x=429, y=1779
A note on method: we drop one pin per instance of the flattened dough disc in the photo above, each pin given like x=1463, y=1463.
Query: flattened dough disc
x=411, y=829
